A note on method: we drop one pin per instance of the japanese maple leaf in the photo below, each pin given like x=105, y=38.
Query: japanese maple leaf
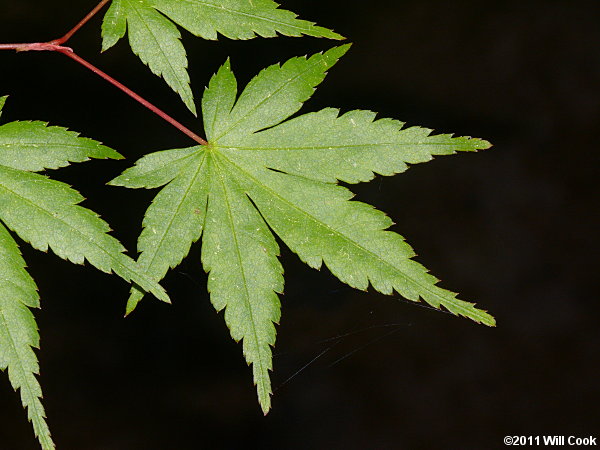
x=261, y=175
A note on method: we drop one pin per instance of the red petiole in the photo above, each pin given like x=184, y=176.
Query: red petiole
x=81, y=23
x=56, y=46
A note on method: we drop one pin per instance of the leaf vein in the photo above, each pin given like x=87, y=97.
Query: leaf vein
x=182, y=84
x=176, y=213
x=253, y=16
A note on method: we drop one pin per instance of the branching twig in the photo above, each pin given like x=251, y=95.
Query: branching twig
x=56, y=46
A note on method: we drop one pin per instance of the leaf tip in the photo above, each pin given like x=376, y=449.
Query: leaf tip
x=339, y=51
x=476, y=144
x=191, y=106
x=488, y=319
x=484, y=145
x=333, y=35
x=132, y=302
x=226, y=67
x=117, y=155
x=2, y=102
x=265, y=405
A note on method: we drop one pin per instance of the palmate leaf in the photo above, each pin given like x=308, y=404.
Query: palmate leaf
x=259, y=175
x=46, y=214
x=154, y=37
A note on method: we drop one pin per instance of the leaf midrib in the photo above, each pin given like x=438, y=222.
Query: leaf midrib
x=341, y=147
x=247, y=297
x=157, y=169
x=60, y=219
x=172, y=218
x=181, y=83
x=44, y=144
x=242, y=13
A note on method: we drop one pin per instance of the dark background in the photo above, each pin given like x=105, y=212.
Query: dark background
x=512, y=228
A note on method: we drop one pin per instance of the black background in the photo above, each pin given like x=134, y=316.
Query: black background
x=512, y=228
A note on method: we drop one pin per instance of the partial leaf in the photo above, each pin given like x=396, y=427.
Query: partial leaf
x=156, y=40
x=45, y=212
x=271, y=97
x=260, y=173
x=19, y=333
x=114, y=25
x=326, y=147
x=176, y=217
x=157, y=169
x=320, y=223
x=238, y=19
x=34, y=146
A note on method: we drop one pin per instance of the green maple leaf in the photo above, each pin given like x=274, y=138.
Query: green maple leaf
x=45, y=213
x=260, y=175
x=156, y=39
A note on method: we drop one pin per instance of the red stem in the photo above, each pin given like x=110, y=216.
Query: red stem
x=83, y=21
x=35, y=47
x=16, y=47
x=56, y=46
x=68, y=52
